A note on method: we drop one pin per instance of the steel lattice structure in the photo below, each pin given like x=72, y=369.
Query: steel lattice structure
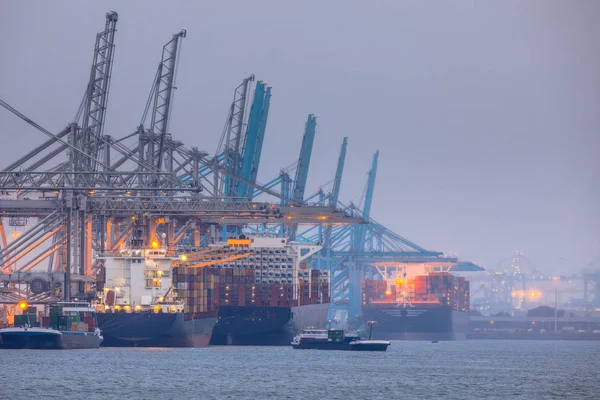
x=83, y=193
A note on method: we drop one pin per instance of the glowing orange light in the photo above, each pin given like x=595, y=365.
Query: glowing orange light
x=23, y=305
x=154, y=244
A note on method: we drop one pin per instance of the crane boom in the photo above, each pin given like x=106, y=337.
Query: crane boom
x=339, y=171
x=163, y=92
x=302, y=169
x=335, y=192
x=89, y=138
x=361, y=229
x=259, y=141
x=304, y=159
x=252, y=137
x=233, y=135
x=221, y=260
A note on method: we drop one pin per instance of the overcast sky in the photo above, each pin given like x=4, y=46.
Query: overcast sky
x=486, y=113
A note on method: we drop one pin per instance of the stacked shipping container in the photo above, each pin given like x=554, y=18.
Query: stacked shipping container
x=266, y=277
x=441, y=288
x=205, y=289
x=56, y=319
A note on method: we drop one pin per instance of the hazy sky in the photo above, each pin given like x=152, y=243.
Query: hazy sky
x=486, y=113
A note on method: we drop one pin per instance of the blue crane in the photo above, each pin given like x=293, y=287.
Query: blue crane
x=304, y=159
x=302, y=168
x=360, y=230
x=333, y=199
x=252, y=146
x=229, y=148
x=259, y=141
x=339, y=171
x=356, y=270
x=349, y=252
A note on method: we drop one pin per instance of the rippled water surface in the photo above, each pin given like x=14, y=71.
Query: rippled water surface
x=408, y=370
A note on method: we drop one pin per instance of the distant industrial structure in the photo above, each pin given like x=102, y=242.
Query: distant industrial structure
x=521, y=286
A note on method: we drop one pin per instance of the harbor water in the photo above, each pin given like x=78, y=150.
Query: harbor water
x=410, y=370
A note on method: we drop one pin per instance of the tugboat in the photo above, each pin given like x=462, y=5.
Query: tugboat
x=333, y=339
x=71, y=325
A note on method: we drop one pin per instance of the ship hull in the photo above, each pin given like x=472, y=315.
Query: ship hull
x=378, y=345
x=310, y=315
x=47, y=339
x=418, y=323
x=155, y=330
x=265, y=326
x=322, y=345
x=259, y=326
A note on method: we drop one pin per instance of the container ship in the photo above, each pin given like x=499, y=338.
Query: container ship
x=138, y=307
x=260, y=287
x=433, y=306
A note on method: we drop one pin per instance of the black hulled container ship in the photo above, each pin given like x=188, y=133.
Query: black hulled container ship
x=260, y=288
x=139, y=308
x=432, y=306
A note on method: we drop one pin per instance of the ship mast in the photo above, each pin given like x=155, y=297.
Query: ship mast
x=406, y=301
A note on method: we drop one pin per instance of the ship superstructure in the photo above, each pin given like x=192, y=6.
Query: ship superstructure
x=139, y=279
x=138, y=304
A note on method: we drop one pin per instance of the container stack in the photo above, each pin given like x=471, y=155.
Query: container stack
x=373, y=290
x=54, y=316
x=461, y=295
x=268, y=277
x=427, y=289
x=76, y=321
x=27, y=318
x=436, y=288
x=206, y=289
x=193, y=286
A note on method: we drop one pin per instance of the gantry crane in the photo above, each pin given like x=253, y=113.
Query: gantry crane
x=83, y=192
